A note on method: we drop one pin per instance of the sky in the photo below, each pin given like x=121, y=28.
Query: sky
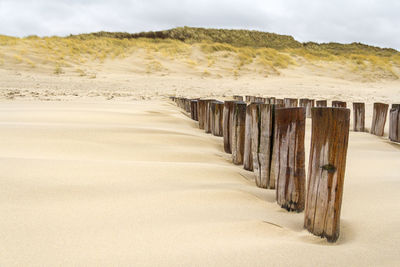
x=372, y=22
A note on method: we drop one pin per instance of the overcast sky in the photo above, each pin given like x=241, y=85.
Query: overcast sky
x=375, y=22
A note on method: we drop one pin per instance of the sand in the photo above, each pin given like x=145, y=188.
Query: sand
x=90, y=182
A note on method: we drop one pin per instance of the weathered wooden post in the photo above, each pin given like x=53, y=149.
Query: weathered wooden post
x=321, y=103
x=290, y=102
x=307, y=104
x=359, y=117
x=270, y=100
x=247, y=155
x=238, y=131
x=216, y=117
x=250, y=99
x=327, y=164
x=288, y=158
x=208, y=117
x=262, y=144
x=260, y=99
x=193, y=109
x=202, y=113
x=238, y=97
x=394, y=123
x=379, y=119
x=227, y=125
x=279, y=103
x=339, y=104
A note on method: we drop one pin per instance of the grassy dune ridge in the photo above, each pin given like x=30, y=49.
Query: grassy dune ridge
x=206, y=52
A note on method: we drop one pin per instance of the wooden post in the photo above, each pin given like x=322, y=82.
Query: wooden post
x=262, y=144
x=359, y=117
x=290, y=102
x=227, y=125
x=250, y=99
x=321, y=103
x=327, y=163
x=260, y=99
x=238, y=97
x=394, y=123
x=247, y=156
x=279, y=103
x=307, y=104
x=288, y=158
x=202, y=113
x=217, y=108
x=238, y=131
x=339, y=104
x=208, y=117
x=193, y=109
x=379, y=119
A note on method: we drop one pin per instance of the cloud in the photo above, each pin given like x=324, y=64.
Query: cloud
x=369, y=21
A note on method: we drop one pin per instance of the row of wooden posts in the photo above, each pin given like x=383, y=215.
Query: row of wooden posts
x=266, y=135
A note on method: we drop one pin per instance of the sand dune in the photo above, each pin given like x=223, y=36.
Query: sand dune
x=111, y=183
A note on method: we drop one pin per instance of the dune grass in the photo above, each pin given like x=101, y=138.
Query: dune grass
x=266, y=52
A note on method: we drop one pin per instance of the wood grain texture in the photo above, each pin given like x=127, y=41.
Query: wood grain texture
x=307, y=104
x=262, y=144
x=238, y=132
x=227, y=125
x=321, y=103
x=290, y=102
x=279, y=103
x=339, y=104
x=394, y=123
x=379, y=119
x=202, y=113
x=248, y=157
x=288, y=158
x=193, y=109
x=327, y=164
x=359, y=117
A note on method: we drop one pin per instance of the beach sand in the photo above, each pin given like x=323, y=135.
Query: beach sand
x=89, y=182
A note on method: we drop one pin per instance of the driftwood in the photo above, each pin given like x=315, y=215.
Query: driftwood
x=339, y=104
x=193, y=109
x=238, y=131
x=227, y=125
x=379, y=119
x=359, y=117
x=290, y=102
x=327, y=163
x=262, y=144
x=394, y=123
x=321, y=103
x=307, y=104
x=238, y=97
x=288, y=158
x=247, y=155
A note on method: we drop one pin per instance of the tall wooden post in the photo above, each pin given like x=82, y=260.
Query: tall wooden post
x=321, y=103
x=250, y=99
x=394, y=123
x=359, y=117
x=218, y=121
x=288, y=158
x=238, y=132
x=379, y=119
x=327, y=164
x=262, y=144
x=227, y=125
x=247, y=156
x=339, y=104
x=291, y=102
